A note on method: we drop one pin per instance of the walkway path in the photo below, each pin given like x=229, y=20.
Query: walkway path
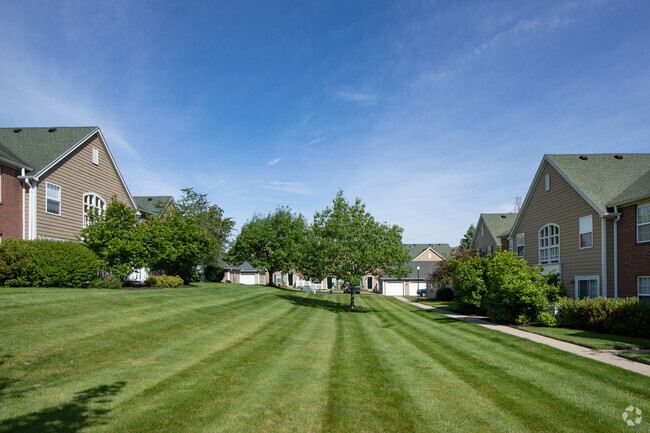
x=606, y=356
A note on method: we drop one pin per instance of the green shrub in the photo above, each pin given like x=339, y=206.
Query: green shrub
x=522, y=319
x=214, y=273
x=163, y=281
x=45, y=263
x=444, y=294
x=108, y=282
x=547, y=319
x=625, y=316
x=468, y=276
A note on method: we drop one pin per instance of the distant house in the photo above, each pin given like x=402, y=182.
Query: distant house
x=587, y=217
x=424, y=259
x=159, y=205
x=51, y=177
x=492, y=231
x=244, y=274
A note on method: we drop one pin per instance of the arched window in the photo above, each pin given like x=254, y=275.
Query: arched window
x=549, y=244
x=92, y=201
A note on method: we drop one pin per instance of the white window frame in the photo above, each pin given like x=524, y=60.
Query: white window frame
x=91, y=205
x=545, y=246
x=640, y=295
x=547, y=182
x=638, y=208
x=580, y=232
x=489, y=249
x=579, y=278
x=523, y=244
x=95, y=156
x=47, y=197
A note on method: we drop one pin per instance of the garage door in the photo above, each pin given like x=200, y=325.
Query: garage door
x=414, y=286
x=392, y=288
x=248, y=279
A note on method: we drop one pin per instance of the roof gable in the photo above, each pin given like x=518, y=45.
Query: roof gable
x=602, y=179
x=499, y=224
x=40, y=148
x=153, y=205
x=416, y=250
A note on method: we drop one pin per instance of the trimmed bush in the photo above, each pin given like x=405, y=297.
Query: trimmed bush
x=45, y=263
x=108, y=282
x=444, y=294
x=163, y=281
x=469, y=281
x=625, y=316
x=547, y=319
x=214, y=273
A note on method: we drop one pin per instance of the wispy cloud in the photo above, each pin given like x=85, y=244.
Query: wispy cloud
x=362, y=98
x=289, y=187
x=514, y=34
x=217, y=184
x=275, y=161
x=315, y=141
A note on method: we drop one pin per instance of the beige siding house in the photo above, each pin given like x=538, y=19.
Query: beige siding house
x=424, y=259
x=568, y=224
x=492, y=231
x=72, y=171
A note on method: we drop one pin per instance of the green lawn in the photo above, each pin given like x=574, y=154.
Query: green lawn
x=224, y=357
x=638, y=357
x=445, y=305
x=592, y=340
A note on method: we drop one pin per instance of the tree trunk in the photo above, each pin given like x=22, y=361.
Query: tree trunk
x=351, y=298
x=270, y=281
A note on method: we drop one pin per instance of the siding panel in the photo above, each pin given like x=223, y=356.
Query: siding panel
x=77, y=175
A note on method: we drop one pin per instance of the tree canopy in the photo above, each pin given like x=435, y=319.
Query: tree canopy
x=271, y=242
x=346, y=242
x=466, y=241
x=209, y=220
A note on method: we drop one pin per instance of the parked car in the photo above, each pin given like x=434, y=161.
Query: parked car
x=357, y=289
x=422, y=292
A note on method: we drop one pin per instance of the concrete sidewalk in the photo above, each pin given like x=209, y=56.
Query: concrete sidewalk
x=606, y=356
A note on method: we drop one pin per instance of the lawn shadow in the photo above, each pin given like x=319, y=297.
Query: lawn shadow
x=305, y=301
x=7, y=382
x=84, y=410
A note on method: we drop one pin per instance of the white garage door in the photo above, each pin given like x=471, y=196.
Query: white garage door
x=248, y=279
x=392, y=288
x=414, y=286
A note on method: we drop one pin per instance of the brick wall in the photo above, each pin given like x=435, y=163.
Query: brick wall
x=633, y=258
x=11, y=203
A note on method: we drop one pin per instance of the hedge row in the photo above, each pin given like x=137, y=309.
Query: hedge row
x=45, y=263
x=163, y=281
x=625, y=316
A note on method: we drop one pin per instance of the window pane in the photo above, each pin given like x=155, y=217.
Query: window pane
x=53, y=206
x=644, y=233
x=644, y=285
x=583, y=289
x=586, y=240
x=643, y=214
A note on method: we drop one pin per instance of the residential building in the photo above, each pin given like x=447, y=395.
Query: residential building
x=244, y=273
x=492, y=231
x=158, y=205
x=424, y=259
x=586, y=217
x=51, y=177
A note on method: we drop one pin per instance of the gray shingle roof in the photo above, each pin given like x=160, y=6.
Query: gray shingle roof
x=10, y=157
x=153, y=204
x=499, y=224
x=605, y=180
x=38, y=147
x=244, y=267
x=415, y=250
x=425, y=270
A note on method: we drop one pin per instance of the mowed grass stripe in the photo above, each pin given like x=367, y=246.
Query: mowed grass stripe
x=436, y=390
x=160, y=351
x=123, y=329
x=209, y=385
x=288, y=388
x=534, y=398
x=557, y=365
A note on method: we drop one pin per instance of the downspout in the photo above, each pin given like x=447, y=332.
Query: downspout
x=22, y=217
x=618, y=217
x=603, y=239
x=30, y=210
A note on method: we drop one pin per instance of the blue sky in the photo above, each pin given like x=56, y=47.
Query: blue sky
x=430, y=112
